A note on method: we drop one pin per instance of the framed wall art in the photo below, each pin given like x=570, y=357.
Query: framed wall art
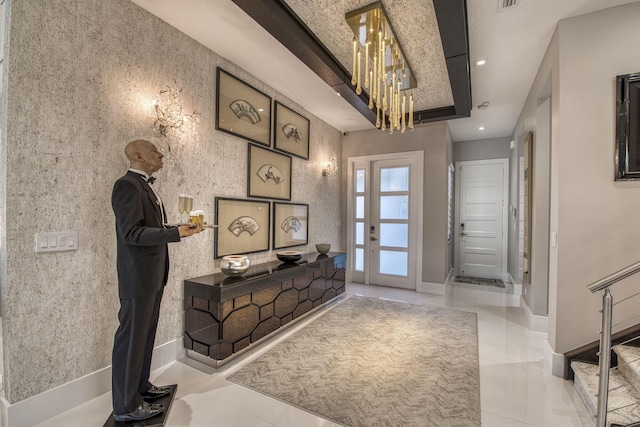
x=291, y=132
x=269, y=174
x=290, y=224
x=241, y=109
x=628, y=127
x=243, y=226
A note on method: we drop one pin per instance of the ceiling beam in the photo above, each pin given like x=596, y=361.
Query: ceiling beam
x=281, y=22
x=454, y=35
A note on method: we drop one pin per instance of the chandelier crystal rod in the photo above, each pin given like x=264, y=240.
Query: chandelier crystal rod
x=386, y=75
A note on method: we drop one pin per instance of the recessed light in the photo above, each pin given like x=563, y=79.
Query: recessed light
x=481, y=128
x=338, y=94
x=481, y=62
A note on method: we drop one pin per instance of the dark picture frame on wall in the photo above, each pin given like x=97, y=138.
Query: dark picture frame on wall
x=290, y=224
x=244, y=226
x=291, y=132
x=628, y=127
x=241, y=109
x=269, y=174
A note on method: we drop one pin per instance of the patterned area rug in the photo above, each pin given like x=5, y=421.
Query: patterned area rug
x=478, y=281
x=377, y=363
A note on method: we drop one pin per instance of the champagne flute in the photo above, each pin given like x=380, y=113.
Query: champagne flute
x=182, y=205
x=188, y=203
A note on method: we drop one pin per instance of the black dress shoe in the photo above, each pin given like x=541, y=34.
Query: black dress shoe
x=142, y=412
x=155, y=392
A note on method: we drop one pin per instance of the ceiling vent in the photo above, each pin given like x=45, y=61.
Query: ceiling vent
x=507, y=4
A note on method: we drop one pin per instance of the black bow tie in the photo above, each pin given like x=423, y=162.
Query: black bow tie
x=151, y=179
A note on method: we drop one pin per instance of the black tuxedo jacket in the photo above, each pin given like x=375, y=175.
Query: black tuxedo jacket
x=143, y=255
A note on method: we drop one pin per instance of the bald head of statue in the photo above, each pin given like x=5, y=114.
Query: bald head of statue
x=144, y=155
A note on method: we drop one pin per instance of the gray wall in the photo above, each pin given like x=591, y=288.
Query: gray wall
x=481, y=149
x=594, y=216
x=433, y=139
x=82, y=79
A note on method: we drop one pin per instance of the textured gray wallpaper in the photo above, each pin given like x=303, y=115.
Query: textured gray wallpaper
x=82, y=79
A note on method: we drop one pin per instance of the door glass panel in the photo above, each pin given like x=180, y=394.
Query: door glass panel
x=360, y=180
x=360, y=207
x=394, y=179
x=394, y=235
x=394, y=207
x=359, y=259
x=359, y=233
x=393, y=263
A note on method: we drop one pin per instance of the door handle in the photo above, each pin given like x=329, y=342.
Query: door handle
x=462, y=233
x=373, y=239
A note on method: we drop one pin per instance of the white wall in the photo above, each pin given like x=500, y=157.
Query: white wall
x=594, y=216
x=598, y=227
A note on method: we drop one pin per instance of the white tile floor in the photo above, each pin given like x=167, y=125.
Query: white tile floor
x=515, y=390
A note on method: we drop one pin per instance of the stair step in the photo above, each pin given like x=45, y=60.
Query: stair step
x=624, y=399
x=629, y=363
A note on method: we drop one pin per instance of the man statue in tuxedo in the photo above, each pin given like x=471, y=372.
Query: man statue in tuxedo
x=143, y=268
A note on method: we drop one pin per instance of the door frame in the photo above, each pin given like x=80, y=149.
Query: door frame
x=505, y=214
x=419, y=156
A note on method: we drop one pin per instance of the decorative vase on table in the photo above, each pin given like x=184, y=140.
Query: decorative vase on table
x=323, y=248
x=289, y=256
x=234, y=265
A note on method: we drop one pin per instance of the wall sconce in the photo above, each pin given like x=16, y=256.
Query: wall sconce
x=331, y=167
x=169, y=117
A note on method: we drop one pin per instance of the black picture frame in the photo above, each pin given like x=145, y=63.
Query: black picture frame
x=269, y=174
x=291, y=132
x=241, y=109
x=243, y=226
x=628, y=127
x=290, y=224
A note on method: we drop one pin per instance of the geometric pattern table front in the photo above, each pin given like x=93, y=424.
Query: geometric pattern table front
x=219, y=327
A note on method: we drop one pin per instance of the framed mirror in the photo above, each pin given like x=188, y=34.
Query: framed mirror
x=628, y=127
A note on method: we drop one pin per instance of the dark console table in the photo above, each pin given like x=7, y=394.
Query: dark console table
x=225, y=315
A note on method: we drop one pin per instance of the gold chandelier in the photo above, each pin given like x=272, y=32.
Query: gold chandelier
x=387, y=75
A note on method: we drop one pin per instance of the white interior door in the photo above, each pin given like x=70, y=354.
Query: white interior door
x=482, y=218
x=384, y=210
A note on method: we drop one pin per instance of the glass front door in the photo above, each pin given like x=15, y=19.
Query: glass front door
x=384, y=222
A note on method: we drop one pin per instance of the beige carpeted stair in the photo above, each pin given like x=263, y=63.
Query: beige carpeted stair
x=624, y=386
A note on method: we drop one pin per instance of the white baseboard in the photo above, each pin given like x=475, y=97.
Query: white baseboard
x=553, y=361
x=517, y=287
x=50, y=403
x=435, y=288
x=450, y=276
x=534, y=322
x=168, y=353
x=431, y=288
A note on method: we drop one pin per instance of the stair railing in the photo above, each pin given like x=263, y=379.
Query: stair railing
x=605, y=336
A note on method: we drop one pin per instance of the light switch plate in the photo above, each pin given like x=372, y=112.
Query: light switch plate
x=57, y=241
